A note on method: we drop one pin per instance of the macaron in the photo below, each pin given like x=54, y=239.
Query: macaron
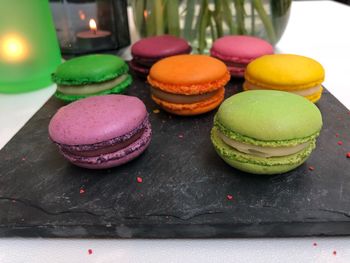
x=188, y=84
x=91, y=75
x=266, y=132
x=102, y=131
x=238, y=51
x=148, y=51
x=286, y=72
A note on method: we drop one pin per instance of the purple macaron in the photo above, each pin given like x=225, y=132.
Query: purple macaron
x=102, y=131
x=148, y=51
x=238, y=51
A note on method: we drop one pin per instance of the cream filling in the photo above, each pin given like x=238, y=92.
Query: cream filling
x=305, y=92
x=182, y=99
x=261, y=151
x=91, y=88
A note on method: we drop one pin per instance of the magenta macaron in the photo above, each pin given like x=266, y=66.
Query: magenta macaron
x=238, y=51
x=102, y=131
x=148, y=51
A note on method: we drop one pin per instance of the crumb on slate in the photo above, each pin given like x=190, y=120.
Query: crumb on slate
x=139, y=179
x=156, y=111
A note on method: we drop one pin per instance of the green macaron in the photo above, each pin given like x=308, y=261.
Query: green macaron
x=266, y=132
x=91, y=75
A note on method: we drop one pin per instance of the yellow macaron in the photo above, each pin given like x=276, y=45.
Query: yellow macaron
x=286, y=72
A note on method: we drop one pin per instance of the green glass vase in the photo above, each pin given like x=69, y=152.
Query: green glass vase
x=29, y=50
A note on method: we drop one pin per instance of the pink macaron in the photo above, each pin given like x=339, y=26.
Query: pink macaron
x=102, y=131
x=238, y=51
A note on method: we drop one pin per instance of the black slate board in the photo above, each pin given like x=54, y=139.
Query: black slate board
x=184, y=189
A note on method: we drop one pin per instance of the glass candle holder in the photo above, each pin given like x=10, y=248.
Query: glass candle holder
x=90, y=26
x=29, y=50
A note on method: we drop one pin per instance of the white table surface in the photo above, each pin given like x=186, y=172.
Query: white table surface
x=319, y=29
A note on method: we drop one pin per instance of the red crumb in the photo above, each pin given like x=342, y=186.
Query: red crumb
x=348, y=155
x=229, y=197
x=139, y=179
x=311, y=168
x=181, y=136
x=81, y=191
x=13, y=201
x=24, y=158
x=90, y=251
x=334, y=252
x=315, y=244
x=337, y=135
x=340, y=143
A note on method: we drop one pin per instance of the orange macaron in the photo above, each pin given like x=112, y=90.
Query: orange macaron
x=188, y=84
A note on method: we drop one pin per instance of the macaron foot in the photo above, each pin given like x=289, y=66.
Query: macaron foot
x=192, y=108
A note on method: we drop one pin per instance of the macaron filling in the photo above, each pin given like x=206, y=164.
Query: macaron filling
x=109, y=149
x=304, y=92
x=261, y=151
x=91, y=88
x=182, y=99
x=109, y=146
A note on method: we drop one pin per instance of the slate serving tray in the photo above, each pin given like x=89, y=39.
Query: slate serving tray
x=185, y=185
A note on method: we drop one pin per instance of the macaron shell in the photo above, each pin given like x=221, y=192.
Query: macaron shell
x=240, y=49
x=260, y=169
x=285, y=72
x=157, y=47
x=96, y=119
x=189, y=74
x=114, y=159
x=89, y=69
x=268, y=115
x=116, y=90
x=258, y=165
x=193, y=108
x=236, y=72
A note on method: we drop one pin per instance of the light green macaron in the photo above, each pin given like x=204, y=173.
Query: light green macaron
x=266, y=132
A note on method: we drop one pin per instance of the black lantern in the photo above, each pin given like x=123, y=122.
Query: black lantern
x=88, y=26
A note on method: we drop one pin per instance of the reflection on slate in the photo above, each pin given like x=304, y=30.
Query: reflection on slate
x=184, y=185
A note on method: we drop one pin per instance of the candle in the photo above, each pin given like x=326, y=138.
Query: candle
x=13, y=48
x=93, y=38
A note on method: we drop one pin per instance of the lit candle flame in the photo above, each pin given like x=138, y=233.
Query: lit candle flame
x=13, y=49
x=93, y=26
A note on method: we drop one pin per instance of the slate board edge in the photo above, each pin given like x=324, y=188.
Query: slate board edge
x=180, y=231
